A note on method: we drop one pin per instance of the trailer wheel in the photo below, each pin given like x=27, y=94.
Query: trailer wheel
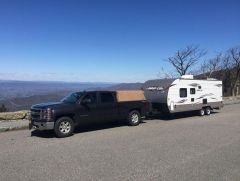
x=201, y=112
x=63, y=127
x=134, y=118
x=207, y=111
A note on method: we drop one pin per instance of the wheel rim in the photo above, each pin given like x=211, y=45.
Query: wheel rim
x=135, y=118
x=202, y=112
x=65, y=127
x=208, y=111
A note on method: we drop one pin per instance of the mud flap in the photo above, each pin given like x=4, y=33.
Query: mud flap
x=30, y=125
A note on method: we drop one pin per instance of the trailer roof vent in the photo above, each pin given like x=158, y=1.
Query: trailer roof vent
x=187, y=77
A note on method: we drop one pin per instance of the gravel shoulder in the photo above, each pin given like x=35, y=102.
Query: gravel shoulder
x=11, y=125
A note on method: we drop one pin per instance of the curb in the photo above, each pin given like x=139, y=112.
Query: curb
x=5, y=129
x=231, y=103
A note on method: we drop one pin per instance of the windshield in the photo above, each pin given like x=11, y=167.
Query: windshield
x=71, y=98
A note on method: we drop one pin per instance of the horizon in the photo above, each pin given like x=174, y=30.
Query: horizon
x=70, y=82
x=108, y=41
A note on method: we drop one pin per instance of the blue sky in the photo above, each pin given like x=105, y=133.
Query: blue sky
x=108, y=41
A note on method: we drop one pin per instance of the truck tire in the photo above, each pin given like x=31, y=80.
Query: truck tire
x=207, y=111
x=134, y=118
x=201, y=112
x=63, y=127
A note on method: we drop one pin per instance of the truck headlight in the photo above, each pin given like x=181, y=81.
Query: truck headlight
x=49, y=113
x=46, y=114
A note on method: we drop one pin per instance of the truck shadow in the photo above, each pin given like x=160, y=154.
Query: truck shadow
x=43, y=134
x=99, y=126
x=82, y=129
x=169, y=117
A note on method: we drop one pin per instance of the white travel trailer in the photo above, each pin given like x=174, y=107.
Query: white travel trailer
x=184, y=94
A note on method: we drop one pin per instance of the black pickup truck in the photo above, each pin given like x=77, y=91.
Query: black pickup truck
x=85, y=107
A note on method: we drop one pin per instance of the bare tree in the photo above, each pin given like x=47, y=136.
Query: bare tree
x=231, y=69
x=231, y=65
x=164, y=74
x=185, y=58
x=212, y=65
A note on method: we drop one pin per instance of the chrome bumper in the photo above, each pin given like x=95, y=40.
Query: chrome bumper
x=41, y=125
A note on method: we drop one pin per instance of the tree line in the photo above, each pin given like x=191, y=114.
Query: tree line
x=3, y=108
x=224, y=66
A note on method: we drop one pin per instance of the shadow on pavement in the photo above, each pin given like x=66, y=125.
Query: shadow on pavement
x=82, y=128
x=43, y=134
x=99, y=126
x=169, y=117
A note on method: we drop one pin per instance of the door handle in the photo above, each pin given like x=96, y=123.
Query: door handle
x=84, y=115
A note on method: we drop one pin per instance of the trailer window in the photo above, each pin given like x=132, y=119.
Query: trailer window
x=183, y=92
x=107, y=97
x=192, y=90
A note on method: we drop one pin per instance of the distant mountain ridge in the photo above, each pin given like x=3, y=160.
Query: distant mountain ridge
x=12, y=89
x=20, y=95
x=126, y=86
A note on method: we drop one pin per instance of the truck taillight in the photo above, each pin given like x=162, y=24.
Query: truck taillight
x=147, y=105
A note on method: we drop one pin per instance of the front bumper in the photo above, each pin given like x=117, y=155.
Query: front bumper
x=41, y=125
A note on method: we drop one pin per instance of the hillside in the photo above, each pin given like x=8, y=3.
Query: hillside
x=20, y=95
x=126, y=86
x=16, y=89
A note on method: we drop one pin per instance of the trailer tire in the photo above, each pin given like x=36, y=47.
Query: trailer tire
x=207, y=111
x=63, y=127
x=134, y=118
x=201, y=112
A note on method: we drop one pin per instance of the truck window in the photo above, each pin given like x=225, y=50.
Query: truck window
x=106, y=97
x=183, y=92
x=192, y=90
x=90, y=98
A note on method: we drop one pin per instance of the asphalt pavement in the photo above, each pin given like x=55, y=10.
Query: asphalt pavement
x=185, y=148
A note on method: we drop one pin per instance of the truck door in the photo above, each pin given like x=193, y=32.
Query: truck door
x=87, y=109
x=107, y=107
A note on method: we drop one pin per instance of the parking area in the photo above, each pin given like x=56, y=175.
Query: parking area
x=185, y=148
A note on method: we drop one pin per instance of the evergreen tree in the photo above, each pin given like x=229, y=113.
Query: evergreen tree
x=3, y=108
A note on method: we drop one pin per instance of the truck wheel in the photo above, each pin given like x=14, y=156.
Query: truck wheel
x=207, y=111
x=201, y=112
x=63, y=127
x=134, y=118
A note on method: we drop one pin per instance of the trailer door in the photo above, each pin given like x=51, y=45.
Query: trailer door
x=193, y=98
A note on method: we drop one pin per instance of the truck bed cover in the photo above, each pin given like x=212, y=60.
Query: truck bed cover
x=130, y=95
